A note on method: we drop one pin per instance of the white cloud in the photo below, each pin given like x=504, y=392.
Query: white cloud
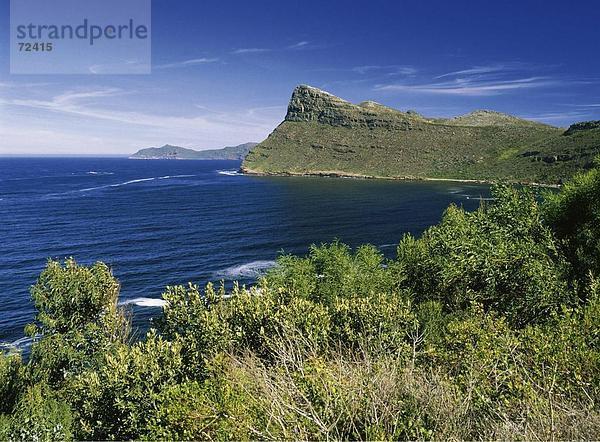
x=481, y=80
x=299, y=45
x=558, y=117
x=477, y=70
x=250, y=50
x=470, y=87
x=62, y=123
x=186, y=63
x=126, y=66
x=594, y=105
x=493, y=69
x=392, y=69
x=69, y=103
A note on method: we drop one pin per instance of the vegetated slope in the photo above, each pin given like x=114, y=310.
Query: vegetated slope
x=325, y=135
x=484, y=328
x=170, y=152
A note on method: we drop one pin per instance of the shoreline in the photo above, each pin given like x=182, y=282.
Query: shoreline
x=338, y=174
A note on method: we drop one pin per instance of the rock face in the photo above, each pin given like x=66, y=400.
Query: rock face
x=585, y=125
x=309, y=104
x=325, y=135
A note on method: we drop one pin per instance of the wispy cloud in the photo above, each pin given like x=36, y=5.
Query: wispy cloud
x=494, y=69
x=588, y=106
x=186, y=63
x=78, y=103
x=471, y=87
x=21, y=84
x=129, y=66
x=71, y=97
x=391, y=69
x=561, y=117
x=300, y=45
x=250, y=50
x=477, y=70
x=197, y=128
x=479, y=80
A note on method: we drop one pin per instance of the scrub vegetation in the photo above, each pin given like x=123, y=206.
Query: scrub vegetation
x=485, y=327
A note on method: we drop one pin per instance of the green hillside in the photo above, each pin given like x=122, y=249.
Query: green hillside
x=169, y=152
x=325, y=135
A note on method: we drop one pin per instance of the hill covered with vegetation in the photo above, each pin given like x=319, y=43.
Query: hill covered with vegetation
x=325, y=135
x=169, y=152
x=485, y=327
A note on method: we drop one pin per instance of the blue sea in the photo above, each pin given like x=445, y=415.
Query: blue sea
x=159, y=223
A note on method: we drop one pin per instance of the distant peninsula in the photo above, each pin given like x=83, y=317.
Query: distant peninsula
x=326, y=135
x=169, y=152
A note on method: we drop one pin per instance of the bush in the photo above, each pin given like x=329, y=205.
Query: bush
x=331, y=271
x=501, y=257
x=574, y=214
x=120, y=398
x=39, y=416
x=11, y=381
x=77, y=321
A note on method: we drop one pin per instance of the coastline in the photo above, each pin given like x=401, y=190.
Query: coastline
x=339, y=174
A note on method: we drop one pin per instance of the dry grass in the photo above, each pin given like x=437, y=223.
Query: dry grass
x=360, y=396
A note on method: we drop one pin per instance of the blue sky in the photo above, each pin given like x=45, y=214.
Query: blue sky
x=223, y=71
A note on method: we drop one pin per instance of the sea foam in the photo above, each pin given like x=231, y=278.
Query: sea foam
x=144, y=302
x=229, y=172
x=249, y=270
x=19, y=344
x=139, y=180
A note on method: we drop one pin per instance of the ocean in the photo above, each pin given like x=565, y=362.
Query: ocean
x=165, y=222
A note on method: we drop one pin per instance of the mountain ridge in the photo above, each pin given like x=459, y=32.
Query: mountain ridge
x=322, y=134
x=172, y=152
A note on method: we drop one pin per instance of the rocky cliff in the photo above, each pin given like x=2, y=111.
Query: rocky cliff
x=309, y=104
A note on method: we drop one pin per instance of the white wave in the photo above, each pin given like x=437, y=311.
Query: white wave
x=20, y=343
x=229, y=172
x=250, y=270
x=479, y=198
x=166, y=177
x=385, y=246
x=94, y=172
x=144, y=302
x=141, y=180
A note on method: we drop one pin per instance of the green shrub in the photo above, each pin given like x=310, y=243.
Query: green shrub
x=500, y=256
x=11, y=381
x=565, y=353
x=77, y=321
x=478, y=353
x=39, y=416
x=119, y=398
x=331, y=271
x=195, y=319
x=574, y=214
x=379, y=323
